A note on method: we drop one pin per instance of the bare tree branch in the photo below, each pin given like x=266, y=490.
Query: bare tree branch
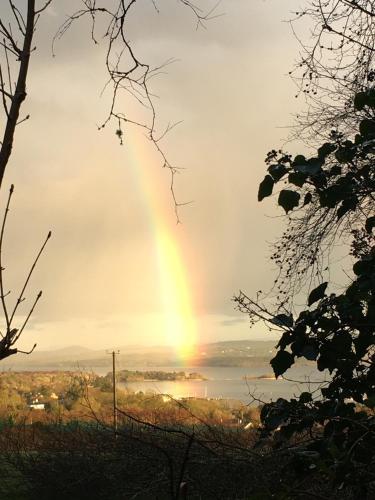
x=20, y=90
x=127, y=73
x=336, y=61
x=12, y=335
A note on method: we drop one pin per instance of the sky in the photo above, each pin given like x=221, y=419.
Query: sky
x=118, y=269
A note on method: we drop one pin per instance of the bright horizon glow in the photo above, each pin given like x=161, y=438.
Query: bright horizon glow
x=180, y=327
x=179, y=324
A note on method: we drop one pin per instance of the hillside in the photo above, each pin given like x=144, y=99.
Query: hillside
x=227, y=353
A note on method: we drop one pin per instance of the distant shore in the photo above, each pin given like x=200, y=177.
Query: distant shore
x=266, y=376
x=157, y=376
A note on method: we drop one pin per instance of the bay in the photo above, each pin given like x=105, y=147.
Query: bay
x=242, y=384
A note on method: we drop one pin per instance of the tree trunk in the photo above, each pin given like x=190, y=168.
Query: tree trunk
x=20, y=91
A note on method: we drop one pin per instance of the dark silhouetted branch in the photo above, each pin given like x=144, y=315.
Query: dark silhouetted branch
x=20, y=90
x=11, y=334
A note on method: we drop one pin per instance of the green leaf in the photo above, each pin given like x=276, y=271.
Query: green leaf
x=299, y=160
x=285, y=340
x=367, y=128
x=371, y=98
x=362, y=343
x=277, y=171
x=288, y=199
x=281, y=362
x=370, y=224
x=265, y=187
x=305, y=397
x=317, y=294
x=363, y=267
x=341, y=344
x=360, y=101
x=346, y=154
x=363, y=99
x=297, y=178
x=331, y=196
x=347, y=205
x=325, y=150
x=309, y=352
x=309, y=168
x=283, y=320
x=307, y=199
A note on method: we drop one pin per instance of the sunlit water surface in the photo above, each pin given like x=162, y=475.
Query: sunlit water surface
x=233, y=383
x=242, y=384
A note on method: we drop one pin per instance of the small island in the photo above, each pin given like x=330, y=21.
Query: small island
x=266, y=376
x=140, y=376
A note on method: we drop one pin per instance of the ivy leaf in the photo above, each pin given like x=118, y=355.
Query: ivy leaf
x=281, y=362
x=317, y=294
x=362, y=267
x=288, y=199
x=347, y=205
x=311, y=167
x=331, y=196
x=265, y=187
x=309, y=352
x=363, y=99
x=325, y=150
x=297, y=178
x=274, y=414
x=305, y=397
x=370, y=224
x=299, y=160
x=360, y=101
x=285, y=340
x=345, y=154
x=283, y=320
x=367, y=128
x=277, y=171
x=307, y=199
x=341, y=344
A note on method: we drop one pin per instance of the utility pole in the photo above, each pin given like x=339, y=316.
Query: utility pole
x=113, y=353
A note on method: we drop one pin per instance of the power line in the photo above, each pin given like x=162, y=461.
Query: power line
x=114, y=389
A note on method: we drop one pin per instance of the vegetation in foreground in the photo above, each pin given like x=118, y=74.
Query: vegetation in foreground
x=329, y=197
x=69, y=450
x=79, y=460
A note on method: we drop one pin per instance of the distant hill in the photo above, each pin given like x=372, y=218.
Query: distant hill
x=225, y=353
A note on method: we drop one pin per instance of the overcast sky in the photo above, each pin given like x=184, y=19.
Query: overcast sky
x=106, y=204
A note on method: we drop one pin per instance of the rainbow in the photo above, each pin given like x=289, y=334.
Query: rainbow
x=179, y=323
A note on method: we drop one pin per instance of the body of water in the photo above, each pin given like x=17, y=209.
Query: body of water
x=222, y=382
x=232, y=383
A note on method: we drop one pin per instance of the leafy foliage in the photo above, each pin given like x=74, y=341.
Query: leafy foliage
x=288, y=199
x=337, y=330
x=327, y=196
x=317, y=294
x=281, y=362
x=265, y=188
